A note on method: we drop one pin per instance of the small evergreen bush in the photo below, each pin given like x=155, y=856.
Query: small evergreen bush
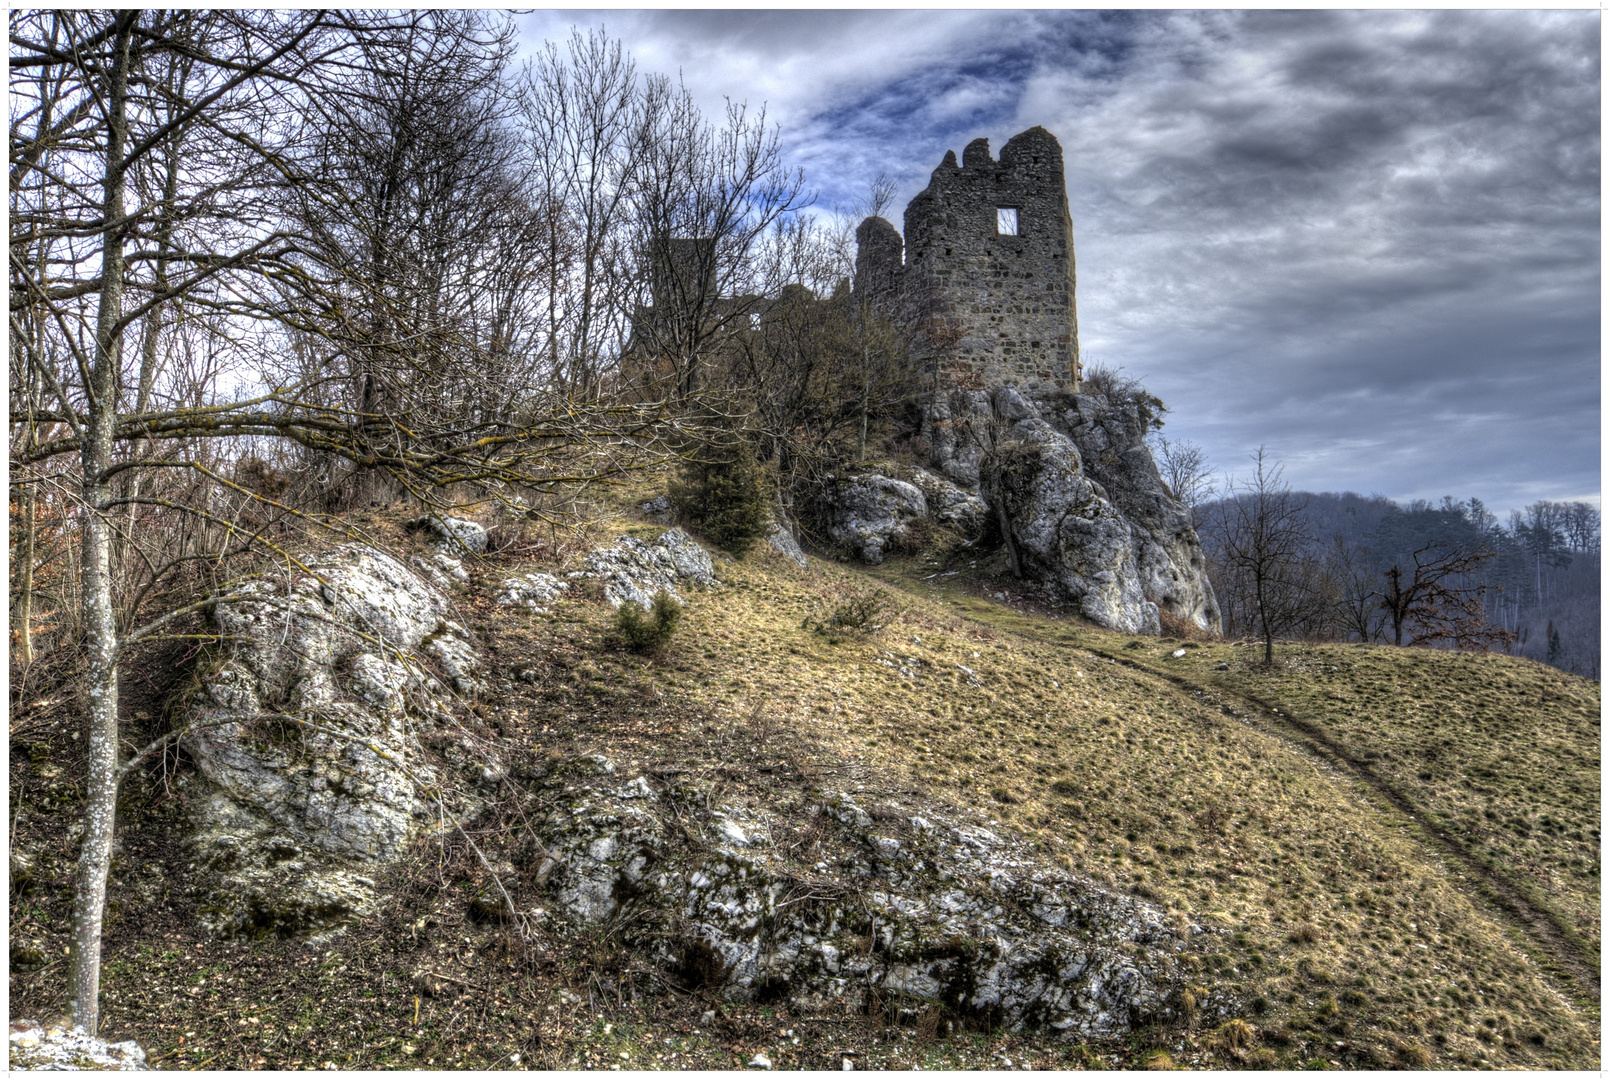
x=722, y=491
x=648, y=631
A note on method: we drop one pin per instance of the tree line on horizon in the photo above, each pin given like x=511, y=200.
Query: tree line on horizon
x=1347, y=567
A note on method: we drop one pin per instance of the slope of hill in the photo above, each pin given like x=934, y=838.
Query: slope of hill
x=1395, y=852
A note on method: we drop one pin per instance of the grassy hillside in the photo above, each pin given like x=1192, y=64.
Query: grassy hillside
x=1398, y=850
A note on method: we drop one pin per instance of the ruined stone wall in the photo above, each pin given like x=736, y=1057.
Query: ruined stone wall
x=999, y=308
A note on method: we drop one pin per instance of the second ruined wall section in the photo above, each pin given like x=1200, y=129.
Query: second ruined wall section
x=1000, y=306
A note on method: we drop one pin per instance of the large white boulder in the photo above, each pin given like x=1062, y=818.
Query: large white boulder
x=452, y=533
x=34, y=1047
x=951, y=504
x=955, y=914
x=634, y=570
x=865, y=512
x=1105, y=446
x=1068, y=534
x=305, y=727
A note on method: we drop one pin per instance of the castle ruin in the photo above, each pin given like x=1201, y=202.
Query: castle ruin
x=987, y=265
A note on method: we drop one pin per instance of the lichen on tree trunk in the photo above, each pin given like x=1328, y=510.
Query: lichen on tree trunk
x=100, y=623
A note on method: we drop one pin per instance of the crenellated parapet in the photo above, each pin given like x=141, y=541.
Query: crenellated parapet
x=987, y=260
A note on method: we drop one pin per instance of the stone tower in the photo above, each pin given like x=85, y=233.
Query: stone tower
x=987, y=268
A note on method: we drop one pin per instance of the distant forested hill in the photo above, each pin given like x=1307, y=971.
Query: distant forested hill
x=1540, y=584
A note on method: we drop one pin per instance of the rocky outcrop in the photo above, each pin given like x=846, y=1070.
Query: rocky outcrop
x=451, y=539
x=1111, y=437
x=1084, y=500
x=534, y=592
x=953, y=425
x=867, y=511
x=951, y=504
x=1067, y=533
x=57, y=1049
x=306, y=730
x=634, y=570
x=915, y=908
x=657, y=509
x=784, y=541
x=452, y=532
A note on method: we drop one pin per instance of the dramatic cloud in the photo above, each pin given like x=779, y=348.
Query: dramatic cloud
x=1369, y=240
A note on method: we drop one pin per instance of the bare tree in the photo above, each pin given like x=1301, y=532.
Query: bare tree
x=1185, y=470
x=999, y=460
x=1581, y=527
x=706, y=198
x=1266, y=549
x=1354, y=579
x=154, y=156
x=585, y=119
x=814, y=373
x=1436, y=601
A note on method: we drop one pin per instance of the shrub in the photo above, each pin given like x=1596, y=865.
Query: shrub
x=1304, y=934
x=858, y=614
x=648, y=631
x=1123, y=392
x=1414, y=1057
x=721, y=490
x=914, y=538
x=1232, y=1035
x=257, y=475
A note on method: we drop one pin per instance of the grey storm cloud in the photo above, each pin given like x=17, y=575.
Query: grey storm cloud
x=1368, y=240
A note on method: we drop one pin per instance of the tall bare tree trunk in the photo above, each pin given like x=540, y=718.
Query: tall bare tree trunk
x=22, y=614
x=100, y=622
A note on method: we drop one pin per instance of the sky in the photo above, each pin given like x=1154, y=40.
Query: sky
x=1366, y=240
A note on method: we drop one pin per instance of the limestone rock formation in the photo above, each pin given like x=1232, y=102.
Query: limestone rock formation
x=956, y=914
x=866, y=511
x=1068, y=534
x=783, y=541
x=634, y=570
x=1168, y=555
x=534, y=592
x=452, y=538
x=950, y=504
x=306, y=729
x=452, y=532
x=1084, y=500
x=952, y=424
x=657, y=509
x=33, y=1047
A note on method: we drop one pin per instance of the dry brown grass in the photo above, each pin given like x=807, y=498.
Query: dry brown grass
x=1330, y=919
x=1311, y=882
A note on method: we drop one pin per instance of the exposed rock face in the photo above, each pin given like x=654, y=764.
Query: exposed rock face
x=782, y=540
x=635, y=570
x=657, y=509
x=1085, y=502
x=531, y=591
x=865, y=512
x=955, y=914
x=951, y=504
x=1067, y=532
x=1168, y=555
x=951, y=423
x=452, y=532
x=55, y=1049
x=309, y=760
x=453, y=538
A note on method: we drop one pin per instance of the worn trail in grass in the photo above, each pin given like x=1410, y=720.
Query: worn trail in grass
x=1348, y=807
x=1567, y=955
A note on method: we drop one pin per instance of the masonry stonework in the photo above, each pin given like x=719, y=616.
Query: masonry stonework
x=997, y=308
